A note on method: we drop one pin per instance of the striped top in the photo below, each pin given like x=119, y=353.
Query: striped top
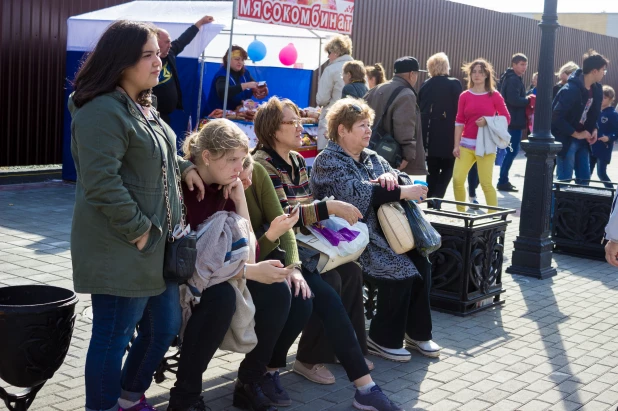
x=292, y=185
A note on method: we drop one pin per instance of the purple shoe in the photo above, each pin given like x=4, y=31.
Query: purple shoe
x=142, y=405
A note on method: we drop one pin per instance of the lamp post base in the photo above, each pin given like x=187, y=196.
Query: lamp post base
x=533, y=247
x=532, y=258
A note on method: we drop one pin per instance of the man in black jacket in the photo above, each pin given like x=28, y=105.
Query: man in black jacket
x=576, y=110
x=169, y=95
x=513, y=90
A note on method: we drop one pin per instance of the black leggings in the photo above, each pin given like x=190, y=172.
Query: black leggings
x=328, y=307
x=205, y=330
x=210, y=321
x=347, y=280
x=440, y=174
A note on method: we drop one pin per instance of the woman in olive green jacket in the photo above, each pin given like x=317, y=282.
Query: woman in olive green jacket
x=120, y=223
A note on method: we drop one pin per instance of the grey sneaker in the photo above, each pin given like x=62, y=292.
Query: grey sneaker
x=271, y=386
x=376, y=400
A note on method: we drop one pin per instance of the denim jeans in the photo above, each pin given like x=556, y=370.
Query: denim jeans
x=473, y=181
x=510, y=156
x=113, y=324
x=577, y=158
x=601, y=170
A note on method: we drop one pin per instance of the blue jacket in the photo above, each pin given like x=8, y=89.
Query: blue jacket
x=235, y=92
x=607, y=126
x=568, y=107
x=513, y=90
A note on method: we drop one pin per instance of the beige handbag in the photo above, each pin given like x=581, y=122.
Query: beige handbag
x=396, y=228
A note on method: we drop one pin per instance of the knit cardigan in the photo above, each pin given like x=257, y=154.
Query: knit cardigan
x=264, y=207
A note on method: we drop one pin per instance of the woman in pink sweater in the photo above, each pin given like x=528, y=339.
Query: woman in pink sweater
x=480, y=100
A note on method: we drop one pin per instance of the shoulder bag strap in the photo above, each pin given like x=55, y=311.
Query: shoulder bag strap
x=164, y=168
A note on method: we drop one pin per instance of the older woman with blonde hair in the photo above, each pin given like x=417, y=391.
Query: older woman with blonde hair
x=563, y=75
x=438, y=99
x=403, y=280
x=339, y=50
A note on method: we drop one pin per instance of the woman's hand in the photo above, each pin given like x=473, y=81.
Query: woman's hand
x=268, y=272
x=281, y=224
x=604, y=139
x=481, y=122
x=249, y=85
x=416, y=192
x=456, y=152
x=235, y=192
x=193, y=180
x=344, y=210
x=387, y=180
x=297, y=282
x=143, y=240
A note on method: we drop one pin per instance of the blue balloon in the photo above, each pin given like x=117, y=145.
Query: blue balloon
x=256, y=50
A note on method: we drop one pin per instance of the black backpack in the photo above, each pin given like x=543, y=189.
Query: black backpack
x=384, y=143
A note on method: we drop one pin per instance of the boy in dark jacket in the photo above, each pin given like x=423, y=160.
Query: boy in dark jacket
x=608, y=133
x=513, y=90
x=576, y=110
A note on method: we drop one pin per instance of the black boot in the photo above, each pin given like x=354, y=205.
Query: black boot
x=251, y=397
x=198, y=405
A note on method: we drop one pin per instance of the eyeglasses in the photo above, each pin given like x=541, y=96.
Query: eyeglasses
x=296, y=122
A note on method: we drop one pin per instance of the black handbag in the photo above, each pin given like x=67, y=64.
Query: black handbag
x=180, y=254
x=384, y=143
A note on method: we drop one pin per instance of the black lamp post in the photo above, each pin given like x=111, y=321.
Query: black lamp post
x=533, y=247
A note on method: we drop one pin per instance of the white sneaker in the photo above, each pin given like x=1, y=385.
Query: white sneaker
x=393, y=354
x=427, y=348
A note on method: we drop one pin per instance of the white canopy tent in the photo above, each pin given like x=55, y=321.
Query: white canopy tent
x=176, y=16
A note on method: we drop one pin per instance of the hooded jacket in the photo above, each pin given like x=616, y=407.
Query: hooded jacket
x=513, y=90
x=119, y=197
x=568, y=107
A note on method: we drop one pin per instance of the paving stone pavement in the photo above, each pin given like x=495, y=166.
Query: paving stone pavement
x=552, y=346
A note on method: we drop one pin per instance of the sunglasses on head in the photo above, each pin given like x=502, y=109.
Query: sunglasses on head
x=356, y=108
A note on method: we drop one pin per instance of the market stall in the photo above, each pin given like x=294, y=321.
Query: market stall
x=203, y=56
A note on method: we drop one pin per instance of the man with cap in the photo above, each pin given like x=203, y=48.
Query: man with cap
x=169, y=96
x=403, y=117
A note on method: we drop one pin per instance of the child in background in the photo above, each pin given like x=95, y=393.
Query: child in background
x=608, y=133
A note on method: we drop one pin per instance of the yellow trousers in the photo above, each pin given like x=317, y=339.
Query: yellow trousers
x=485, y=166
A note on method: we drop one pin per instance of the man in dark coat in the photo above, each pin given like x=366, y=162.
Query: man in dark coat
x=576, y=110
x=513, y=90
x=169, y=95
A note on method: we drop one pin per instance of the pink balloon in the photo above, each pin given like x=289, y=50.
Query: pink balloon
x=288, y=55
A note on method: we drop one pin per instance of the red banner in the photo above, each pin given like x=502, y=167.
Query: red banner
x=327, y=15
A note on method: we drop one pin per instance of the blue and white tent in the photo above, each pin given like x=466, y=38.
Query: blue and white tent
x=209, y=47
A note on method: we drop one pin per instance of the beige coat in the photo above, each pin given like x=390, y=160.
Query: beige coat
x=329, y=90
x=403, y=121
x=225, y=244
